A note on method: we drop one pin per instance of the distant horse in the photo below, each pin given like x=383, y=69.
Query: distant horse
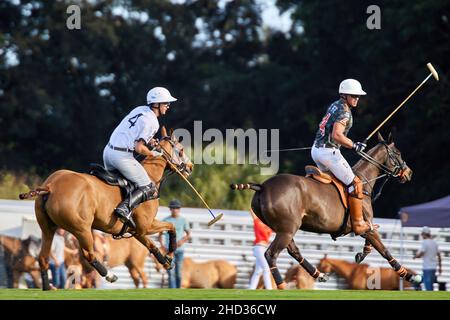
x=362, y=276
x=132, y=254
x=18, y=260
x=287, y=203
x=209, y=274
x=300, y=278
x=80, y=202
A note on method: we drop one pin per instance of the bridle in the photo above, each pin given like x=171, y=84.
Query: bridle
x=398, y=171
x=174, y=159
x=399, y=166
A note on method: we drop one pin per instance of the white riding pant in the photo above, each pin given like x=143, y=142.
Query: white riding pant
x=261, y=267
x=128, y=166
x=331, y=159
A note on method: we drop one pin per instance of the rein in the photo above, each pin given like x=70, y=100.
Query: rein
x=396, y=172
x=170, y=160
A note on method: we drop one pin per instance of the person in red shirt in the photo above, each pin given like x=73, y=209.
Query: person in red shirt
x=262, y=235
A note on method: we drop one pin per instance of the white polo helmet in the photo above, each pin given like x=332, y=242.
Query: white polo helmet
x=159, y=95
x=351, y=86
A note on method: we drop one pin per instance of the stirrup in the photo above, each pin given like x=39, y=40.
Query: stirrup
x=125, y=219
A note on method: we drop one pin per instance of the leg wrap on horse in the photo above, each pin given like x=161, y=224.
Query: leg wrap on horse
x=367, y=249
x=158, y=256
x=45, y=282
x=310, y=268
x=172, y=241
x=398, y=267
x=276, y=275
x=99, y=267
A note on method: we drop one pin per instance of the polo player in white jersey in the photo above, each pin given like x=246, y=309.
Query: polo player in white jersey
x=325, y=152
x=134, y=133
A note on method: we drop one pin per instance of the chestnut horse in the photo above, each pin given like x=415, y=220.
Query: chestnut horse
x=287, y=203
x=210, y=274
x=79, y=202
x=299, y=277
x=357, y=276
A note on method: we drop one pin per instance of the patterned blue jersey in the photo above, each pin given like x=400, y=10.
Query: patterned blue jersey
x=336, y=112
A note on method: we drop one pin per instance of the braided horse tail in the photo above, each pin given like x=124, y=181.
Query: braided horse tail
x=243, y=186
x=34, y=193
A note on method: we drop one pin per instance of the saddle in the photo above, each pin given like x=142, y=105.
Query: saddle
x=328, y=178
x=113, y=178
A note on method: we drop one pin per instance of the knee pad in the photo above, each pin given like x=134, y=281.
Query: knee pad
x=355, y=189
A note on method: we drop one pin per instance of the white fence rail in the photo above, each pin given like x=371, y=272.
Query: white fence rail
x=231, y=239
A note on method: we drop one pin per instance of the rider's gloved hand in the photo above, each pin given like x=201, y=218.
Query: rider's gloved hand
x=359, y=146
x=156, y=153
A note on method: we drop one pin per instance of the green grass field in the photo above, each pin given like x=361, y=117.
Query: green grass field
x=219, y=294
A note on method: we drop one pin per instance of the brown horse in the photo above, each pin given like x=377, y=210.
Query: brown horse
x=300, y=278
x=80, y=202
x=209, y=274
x=132, y=254
x=19, y=260
x=287, y=203
x=362, y=276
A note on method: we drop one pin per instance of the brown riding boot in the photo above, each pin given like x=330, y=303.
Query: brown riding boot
x=355, y=197
x=359, y=226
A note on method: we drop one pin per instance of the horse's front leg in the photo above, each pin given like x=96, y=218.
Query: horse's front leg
x=374, y=238
x=360, y=256
x=161, y=226
x=144, y=218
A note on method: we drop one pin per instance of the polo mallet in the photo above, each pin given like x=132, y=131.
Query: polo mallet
x=290, y=149
x=432, y=73
x=215, y=218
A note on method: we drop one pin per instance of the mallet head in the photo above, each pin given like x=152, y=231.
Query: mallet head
x=433, y=71
x=217, y=218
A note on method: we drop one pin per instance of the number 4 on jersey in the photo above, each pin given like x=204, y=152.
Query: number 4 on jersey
x=135, y=118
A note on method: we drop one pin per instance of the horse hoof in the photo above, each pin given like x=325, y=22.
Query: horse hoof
x=282, y=286
x=323, y=277
x=359, y=257
x=417, y=279
x=112, y=278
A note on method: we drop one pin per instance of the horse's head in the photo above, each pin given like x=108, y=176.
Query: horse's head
x=393, y=159
x=174, y=153
x=324, y=265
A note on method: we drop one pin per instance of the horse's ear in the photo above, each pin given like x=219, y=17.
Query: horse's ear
x=390, y=138
x=171, y=132
x=163, y=131
x=380, y=137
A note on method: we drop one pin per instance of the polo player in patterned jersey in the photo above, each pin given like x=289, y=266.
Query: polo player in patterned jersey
x=332, y=134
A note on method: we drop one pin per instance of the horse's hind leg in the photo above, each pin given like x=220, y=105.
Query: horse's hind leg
x=87, y=247
x=280, y=242
x=48, y=231
x=295, y=253
x=374, y=239
x=360, y=256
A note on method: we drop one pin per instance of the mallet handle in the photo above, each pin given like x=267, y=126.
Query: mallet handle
x=396, y=109
x=193, y=188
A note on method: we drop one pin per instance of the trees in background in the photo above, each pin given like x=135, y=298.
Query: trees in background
x=63, y=91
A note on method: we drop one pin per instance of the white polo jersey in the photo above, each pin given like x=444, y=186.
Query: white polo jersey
x=140, y=123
